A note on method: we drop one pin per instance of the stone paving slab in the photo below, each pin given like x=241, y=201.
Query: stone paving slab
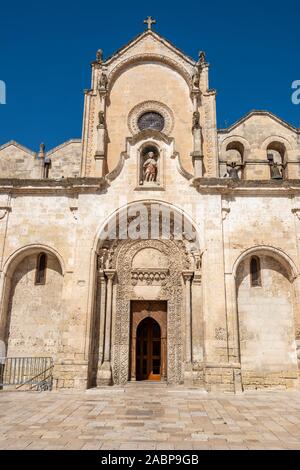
x=149, y=417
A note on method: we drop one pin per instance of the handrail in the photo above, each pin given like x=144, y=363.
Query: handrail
x=35, y=372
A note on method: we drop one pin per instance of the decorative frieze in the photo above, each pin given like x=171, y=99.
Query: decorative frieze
x=149, y=277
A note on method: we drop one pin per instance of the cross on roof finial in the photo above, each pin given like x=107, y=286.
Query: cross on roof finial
x=149, y=21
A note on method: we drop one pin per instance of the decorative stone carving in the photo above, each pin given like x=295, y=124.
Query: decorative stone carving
x=99, y=56
x=196, y=120
x=149, y=276
x=170, y=291
x=103, y=81
x=150, y=167
x=202, y=58
x=150, y=106
x=101, y=119
x=220, y=334
x=196, y=78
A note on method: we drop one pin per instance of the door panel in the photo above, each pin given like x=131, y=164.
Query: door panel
x=148, y=350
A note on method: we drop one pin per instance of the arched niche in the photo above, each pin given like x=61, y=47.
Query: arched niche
x=32, y=312
x=266, y=319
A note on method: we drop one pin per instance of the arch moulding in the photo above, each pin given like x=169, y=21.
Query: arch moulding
x=276, y=253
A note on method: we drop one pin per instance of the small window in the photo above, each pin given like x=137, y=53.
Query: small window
x=255, y=274
x=151, y=120
x=40, y=275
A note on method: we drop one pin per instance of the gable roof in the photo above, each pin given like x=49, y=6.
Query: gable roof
x=256, y=112
x=13, y=143
x=157, y=37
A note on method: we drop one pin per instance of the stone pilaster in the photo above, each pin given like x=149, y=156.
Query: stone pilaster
x=105, y=372
x=188, y=374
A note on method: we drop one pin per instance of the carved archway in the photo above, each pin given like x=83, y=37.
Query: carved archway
x=169, y=289
x=142, y=268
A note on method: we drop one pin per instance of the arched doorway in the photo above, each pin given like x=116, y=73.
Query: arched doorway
x=135, y=266
x=148, y=350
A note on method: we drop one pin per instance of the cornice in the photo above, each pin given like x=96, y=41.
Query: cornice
x=53, y=186
x=227, y=186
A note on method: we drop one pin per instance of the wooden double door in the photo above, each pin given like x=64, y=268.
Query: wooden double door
x=148, y=352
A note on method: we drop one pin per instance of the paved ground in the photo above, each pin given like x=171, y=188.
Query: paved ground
x=151, y=416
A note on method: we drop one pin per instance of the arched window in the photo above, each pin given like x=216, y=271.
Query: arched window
x=276, y=154
x=255, y=274
x=235, y=159
x=41, y=266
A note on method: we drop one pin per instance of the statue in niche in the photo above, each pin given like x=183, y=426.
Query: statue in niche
x=232, y=170
x=196, y=78
x=101, y=119
x=150, y=167
x=196, y=120
x=103, y=81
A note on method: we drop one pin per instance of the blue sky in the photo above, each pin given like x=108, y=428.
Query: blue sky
x=46, y=49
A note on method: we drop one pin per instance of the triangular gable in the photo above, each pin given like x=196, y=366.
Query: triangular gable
x=249, y=115
x=145, y=38
x=13, y=143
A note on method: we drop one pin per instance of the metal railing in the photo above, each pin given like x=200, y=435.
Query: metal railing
x=31, y=373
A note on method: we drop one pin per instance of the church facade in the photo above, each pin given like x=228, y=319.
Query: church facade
x=157, y=247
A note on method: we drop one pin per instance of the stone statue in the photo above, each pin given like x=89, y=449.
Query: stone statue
x=276, y=170
x=202, y=58
x=150, y=167
x=102, y=259
x=103, y=81
x=196, y=78
x=99, y=55
x=196, y=120
x=233, y=169
x=101, y=119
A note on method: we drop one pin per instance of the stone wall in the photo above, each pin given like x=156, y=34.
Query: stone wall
x=19, y=162
x=267, y=329
x=35, y=311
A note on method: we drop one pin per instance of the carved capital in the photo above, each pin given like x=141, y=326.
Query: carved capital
x=187, y=275
x=110, y=274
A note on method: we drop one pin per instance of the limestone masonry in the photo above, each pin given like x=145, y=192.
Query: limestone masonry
x=157, y=247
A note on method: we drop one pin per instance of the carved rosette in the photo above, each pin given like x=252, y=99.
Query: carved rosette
x=150, y=106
